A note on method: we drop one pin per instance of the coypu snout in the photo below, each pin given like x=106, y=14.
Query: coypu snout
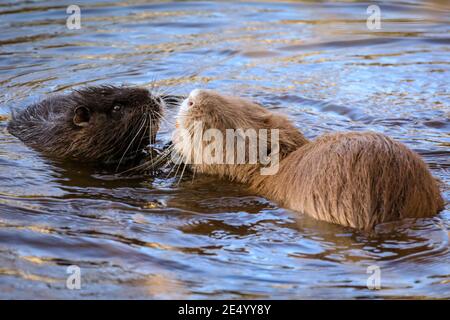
x=106, y=124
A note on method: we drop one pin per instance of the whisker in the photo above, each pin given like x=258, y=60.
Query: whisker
x=131, y=132
x=177, y=164
x=193, y=175
x=161, y=117
x=152, y=163
x=130, y=144
x=182, y=173
x=164, y=157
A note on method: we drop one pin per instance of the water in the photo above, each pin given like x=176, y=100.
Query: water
x=204, y=238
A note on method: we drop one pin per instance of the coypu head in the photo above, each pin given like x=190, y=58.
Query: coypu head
x=105, y=124
x=206, y=117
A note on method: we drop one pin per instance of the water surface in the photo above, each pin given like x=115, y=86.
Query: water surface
x=158, y=237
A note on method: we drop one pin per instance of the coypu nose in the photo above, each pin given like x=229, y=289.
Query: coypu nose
x=189, y=102
x=195, y=93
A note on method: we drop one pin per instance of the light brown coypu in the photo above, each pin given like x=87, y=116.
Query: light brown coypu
x=108, y=125
x=357, y=179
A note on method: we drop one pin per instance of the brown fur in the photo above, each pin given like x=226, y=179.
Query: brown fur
x=357, y=179
x=99, y=134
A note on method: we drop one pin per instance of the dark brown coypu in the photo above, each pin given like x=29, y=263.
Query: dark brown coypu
x=356, y=179
x=99, y=124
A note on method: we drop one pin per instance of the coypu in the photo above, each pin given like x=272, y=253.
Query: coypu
x=99, y=124
x=355, y=179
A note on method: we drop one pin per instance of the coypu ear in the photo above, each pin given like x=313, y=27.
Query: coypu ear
x=290, y=138
x=81, y=117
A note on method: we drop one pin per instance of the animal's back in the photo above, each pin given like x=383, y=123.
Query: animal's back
x=358, y=180
x=40, y=122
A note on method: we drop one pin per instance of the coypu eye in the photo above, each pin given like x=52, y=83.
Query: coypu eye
x=117, y=108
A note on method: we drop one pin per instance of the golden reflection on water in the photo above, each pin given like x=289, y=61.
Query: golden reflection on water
x=203, y=238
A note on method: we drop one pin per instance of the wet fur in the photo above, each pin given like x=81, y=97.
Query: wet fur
x=356, y=179
x=48, y=126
